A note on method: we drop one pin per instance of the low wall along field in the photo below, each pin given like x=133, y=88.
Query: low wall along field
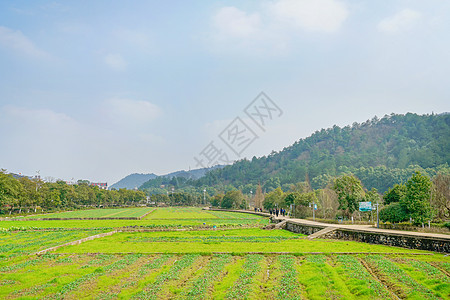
x=205, y=255
x=385, y=238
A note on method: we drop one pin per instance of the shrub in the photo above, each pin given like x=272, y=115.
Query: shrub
x=394, y=213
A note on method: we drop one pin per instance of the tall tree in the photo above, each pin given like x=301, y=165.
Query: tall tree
x=233, y=199
x=10, y=189
x=259, y=197
x=417, y=198
x=350, y=191
x=441, y=196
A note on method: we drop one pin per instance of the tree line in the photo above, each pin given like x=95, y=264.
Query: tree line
x=419, y=200
x=24, y=194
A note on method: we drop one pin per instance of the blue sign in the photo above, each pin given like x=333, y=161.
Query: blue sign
x=365, y=206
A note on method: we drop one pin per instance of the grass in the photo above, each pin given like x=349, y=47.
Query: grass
x=227, y=241
x=97, y=213
x=161, y=218
x=131, y=264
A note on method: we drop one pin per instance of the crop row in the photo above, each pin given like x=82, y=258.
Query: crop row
x=241, y=288
x=213, y=239
x=397, y=277
x=201, y=284
x=289, y=287
x=197, y=277
x=117, y=265
x=361, y=278
x=151, y=291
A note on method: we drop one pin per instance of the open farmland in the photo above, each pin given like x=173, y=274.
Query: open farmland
x=194, y=260
x=98, y=213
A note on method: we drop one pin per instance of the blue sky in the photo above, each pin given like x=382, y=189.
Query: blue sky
x=101, y=89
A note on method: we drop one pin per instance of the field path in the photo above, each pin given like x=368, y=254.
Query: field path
x=368, y=228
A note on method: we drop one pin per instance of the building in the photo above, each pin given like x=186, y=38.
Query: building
x=101, y=185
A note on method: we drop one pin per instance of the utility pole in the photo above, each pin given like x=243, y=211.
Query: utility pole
x=378, y=218
x=314, y=211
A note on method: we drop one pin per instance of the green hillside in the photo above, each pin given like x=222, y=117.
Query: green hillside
x=381, y=152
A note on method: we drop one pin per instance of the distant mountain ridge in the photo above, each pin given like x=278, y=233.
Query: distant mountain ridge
x=135, y=180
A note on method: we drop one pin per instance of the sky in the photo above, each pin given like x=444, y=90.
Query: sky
x=99, y=89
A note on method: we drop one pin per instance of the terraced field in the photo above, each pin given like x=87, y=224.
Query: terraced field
x=199, y=261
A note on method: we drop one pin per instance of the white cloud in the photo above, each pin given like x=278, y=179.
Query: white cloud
x=115, y=61
x=270, y=29
x=138, y=40
x=232, y=22
x=17, y=41
x=127, y=111
x=310, y=15
x=402, y=21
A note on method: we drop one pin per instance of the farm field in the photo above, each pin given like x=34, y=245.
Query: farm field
x=197, y=262
x=97, y=213
x=162, y=218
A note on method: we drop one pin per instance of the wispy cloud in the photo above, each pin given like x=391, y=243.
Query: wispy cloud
x=15, y=40
x=273, y=25
x=128, y=111
x=318, y=15
x=115, y=62
x=233, y=22
x=404, y=20
x=138, y=40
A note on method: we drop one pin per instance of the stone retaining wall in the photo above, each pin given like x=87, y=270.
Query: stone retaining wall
x=391, y=239
x=381, y=238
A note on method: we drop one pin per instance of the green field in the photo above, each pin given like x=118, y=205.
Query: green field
x=97, y=213
x=190, y=259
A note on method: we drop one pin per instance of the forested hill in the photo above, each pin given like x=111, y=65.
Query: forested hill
x=389, y=146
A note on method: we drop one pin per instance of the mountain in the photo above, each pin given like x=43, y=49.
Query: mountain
x=383, y=151
x=136, y=180
x=192, y=174
x=132, y=181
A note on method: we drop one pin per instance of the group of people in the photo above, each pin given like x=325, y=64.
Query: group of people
x=273, y=211
x=277, y=211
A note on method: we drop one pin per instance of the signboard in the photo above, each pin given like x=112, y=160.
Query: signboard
x=365, y=206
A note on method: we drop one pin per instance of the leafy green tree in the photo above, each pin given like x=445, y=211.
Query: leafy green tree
x=394, y=213
x=350, y=191
x=10, y=190
x=372, y=196
x=232, y=199
x=291, y=198
x=160, y=198
x=271, y=184
x=417, y=198
x=273, y=199
x=394, y=194
x=216, y=200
